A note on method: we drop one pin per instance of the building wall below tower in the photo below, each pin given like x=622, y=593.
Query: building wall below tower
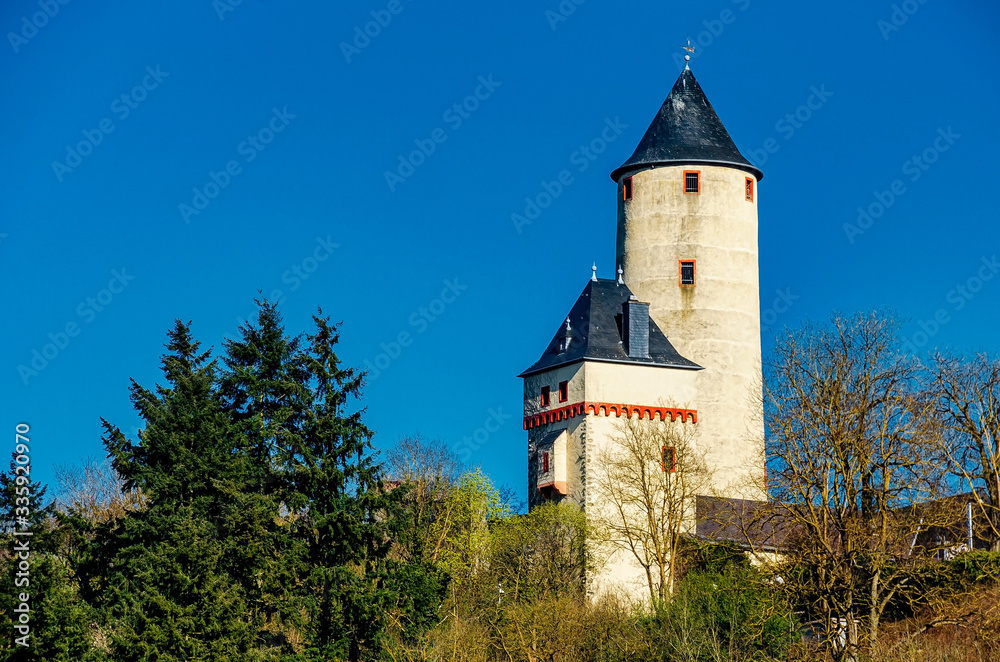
x=619, y=572
x=589, y=434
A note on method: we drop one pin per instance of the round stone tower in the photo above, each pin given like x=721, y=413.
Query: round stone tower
x=687, y=242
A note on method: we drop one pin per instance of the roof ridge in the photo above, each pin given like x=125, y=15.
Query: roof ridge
x=594, y=333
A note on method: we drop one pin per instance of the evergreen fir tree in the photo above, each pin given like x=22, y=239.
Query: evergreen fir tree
x=266, y=397
x=266, y=530
x=291, y=398
x=165, y=591
x=351, y=516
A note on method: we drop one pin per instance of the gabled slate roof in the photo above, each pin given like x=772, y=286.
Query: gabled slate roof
x=686, y=130
x=760, y=525
x=594, y=333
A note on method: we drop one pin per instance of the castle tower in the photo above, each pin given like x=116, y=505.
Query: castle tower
x=687, y=242
x=674, y=339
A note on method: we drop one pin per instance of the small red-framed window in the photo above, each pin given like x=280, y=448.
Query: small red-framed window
x=545, y=462
x=749, y=189
x=545, y=396
x=686, y=272
x=563, y=391
x=627, y=188
x=668, y=463
x=692, y=181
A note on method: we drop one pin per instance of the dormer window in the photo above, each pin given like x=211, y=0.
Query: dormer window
x=692, y=181
x=627, y=188
x=687, y=272
x=545, y=396
x=563, y=391
x=749, y=189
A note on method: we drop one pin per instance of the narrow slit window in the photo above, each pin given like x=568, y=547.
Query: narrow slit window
x=627, y=188
x=669, y=462
x=750, y=189
x=545, y=396
x=687, y=272
x=692, y=181
x=563, y=391
x=545, y=462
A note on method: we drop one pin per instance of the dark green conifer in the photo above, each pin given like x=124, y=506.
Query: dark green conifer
x=165, y=591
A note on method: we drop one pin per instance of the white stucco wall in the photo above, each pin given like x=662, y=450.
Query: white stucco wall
x=716, y=323
x=612, y=383
x=640, y=384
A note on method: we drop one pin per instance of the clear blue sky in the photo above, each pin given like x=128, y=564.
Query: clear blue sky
x=103, y=228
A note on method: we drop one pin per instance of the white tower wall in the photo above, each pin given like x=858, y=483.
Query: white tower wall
x=716, y=322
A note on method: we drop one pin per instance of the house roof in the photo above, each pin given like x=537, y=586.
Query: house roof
x=772, y=526
x=762, y=525
x=594, y=333
x=686, y=130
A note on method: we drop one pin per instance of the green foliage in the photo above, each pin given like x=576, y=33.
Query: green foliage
x=542, y=553
x=723, y=607
x=537, y=560
x=288, y=399
x=973, y=568
x=265, y=529
x=22, y=502
x=717, y=558
x=419, y=592
x=167, y=597
x=60, y=620
x=164, y=589
x=931, y=584
x=461, y=528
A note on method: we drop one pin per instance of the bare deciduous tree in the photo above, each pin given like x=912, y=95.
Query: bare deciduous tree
x=428, y=464
x=854, y=464
x=650, y=473
x=968, y=396
x=430, y=470
x=94, y=490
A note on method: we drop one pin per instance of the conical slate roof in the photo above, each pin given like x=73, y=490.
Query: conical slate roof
x=686, y=130
x=594, y=333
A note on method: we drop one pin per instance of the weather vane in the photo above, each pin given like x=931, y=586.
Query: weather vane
x=689, y=48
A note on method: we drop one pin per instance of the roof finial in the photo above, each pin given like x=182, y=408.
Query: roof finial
x=593, y=276
x=620, y=272
x=566, y=338
x=690, y=49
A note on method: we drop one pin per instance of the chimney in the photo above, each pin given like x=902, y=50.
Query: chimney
x=635, y=328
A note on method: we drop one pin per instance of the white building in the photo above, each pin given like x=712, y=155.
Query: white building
x=680, y=324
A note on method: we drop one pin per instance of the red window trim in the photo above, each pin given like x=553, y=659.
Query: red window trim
x=680, y=273
x=749, y=189
x=545, y=462
x=563, y=391
x=627, y=188
x=546, y=396
x=668, y=451
x=684, y=186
